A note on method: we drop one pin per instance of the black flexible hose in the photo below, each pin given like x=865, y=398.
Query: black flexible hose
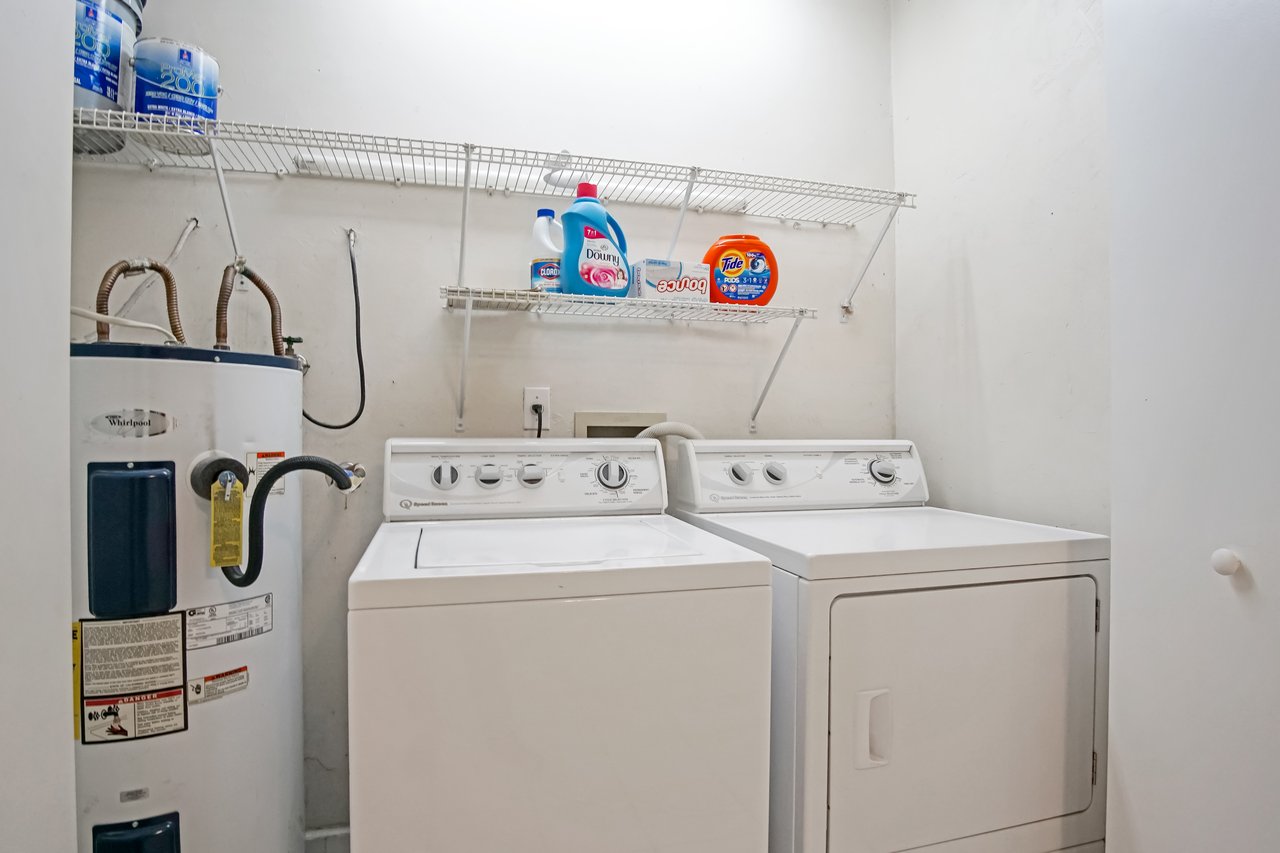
x=258, y=509
x=355, y=289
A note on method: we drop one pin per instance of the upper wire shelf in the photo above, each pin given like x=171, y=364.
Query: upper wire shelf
x=156, y=142
x=536, y=302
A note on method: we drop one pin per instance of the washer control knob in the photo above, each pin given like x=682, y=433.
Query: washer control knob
x=740, y=473
x=612, y=475
x=489, y=476
x=445, y=476
x=775, y=473
x=883, y=471
x=532, y=476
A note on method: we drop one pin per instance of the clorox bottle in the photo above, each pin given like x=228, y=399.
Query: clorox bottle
x=548, y=247
x=595, y=249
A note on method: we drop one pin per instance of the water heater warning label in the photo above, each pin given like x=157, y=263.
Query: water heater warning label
x=132, y=678
x=216, y=686
x=219, y=624
x=262, y=462
x=117, y=718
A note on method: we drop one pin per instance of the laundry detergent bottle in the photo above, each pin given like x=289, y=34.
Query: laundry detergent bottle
x=595, y=249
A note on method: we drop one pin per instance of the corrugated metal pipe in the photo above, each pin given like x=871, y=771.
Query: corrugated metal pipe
x=224, y=300
x=117, y=271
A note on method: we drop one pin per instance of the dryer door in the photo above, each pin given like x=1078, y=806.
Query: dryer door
x=959, y=711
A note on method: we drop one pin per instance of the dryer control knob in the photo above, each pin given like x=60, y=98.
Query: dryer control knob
x=883, y=471
x=612, y=475
x=740, y=473
x=532, y=476
x=489, y=476
x=445, y=476
x=776, y=473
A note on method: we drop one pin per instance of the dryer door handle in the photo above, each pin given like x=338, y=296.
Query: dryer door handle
x=873, y=729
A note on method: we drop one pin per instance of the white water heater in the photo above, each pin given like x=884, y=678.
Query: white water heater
x=188, y=688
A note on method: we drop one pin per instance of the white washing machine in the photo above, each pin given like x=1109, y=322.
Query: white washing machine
x=939, y=678
x=542, y=661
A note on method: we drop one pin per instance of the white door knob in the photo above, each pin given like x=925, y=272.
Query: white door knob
x=1225, y=561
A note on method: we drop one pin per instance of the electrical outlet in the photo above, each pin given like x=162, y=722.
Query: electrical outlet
x=537, y=395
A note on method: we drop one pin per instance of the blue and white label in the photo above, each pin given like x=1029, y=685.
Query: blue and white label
x=742, y=276
x=175, y=80
x=545, y=275
x=103, y=44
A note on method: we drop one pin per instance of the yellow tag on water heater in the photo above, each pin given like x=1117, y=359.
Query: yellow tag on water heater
x=226, y=528
x=75, y=678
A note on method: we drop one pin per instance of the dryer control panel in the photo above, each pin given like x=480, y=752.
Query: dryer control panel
x=746, y=476
x=512, y=478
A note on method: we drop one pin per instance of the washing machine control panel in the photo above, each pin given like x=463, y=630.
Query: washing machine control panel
x=730, y=476
x=495, y=478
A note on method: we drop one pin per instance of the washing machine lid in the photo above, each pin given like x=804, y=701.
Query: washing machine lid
x=412, y=564
x=856, y=543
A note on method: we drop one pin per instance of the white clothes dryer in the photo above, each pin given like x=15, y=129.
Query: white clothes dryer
x=542, y=661
x=939, y=678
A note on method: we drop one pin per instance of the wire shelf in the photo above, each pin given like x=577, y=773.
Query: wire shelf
x=157, y=142
x=535, y=302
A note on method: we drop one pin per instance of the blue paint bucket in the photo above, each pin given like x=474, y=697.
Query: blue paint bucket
x=178, y=81
x=106, y=32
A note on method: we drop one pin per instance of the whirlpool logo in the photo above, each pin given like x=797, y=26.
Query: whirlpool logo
x=132, y=423
x=408, y=504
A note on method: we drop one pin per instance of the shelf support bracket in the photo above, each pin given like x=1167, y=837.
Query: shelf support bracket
x=846, y=307
x=459, y=425
x=226, y=200
x=466, y=215
x=684, y=208
x=777, y=365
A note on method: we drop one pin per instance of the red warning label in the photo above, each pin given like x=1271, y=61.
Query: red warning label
x=216, y=686
x=260, y=463
x=132, y=717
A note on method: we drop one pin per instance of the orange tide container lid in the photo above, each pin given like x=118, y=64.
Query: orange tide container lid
x=743, y=270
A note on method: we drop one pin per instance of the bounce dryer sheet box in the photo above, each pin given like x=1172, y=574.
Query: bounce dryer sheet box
x=672, y=281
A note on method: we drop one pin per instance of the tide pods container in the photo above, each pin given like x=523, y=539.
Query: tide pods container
x=743, y=270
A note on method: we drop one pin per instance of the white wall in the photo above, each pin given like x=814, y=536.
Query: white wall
x=1002, y=378
x=790, y=87
x=37, y=785
x=1195, y=761
x=819, y=107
